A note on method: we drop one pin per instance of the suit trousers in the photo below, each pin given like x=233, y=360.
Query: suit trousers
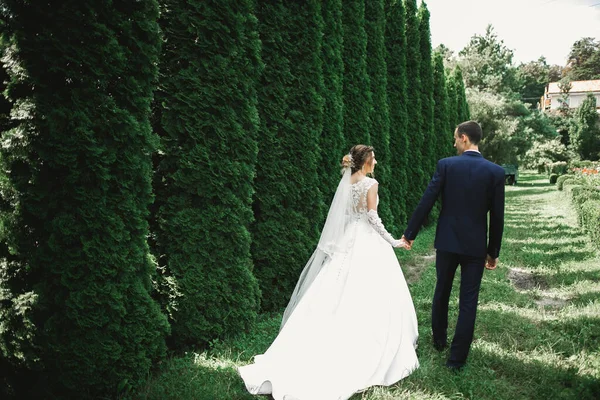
x=471, y=272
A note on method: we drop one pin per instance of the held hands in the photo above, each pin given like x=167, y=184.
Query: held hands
x=409, y=243
x=491, y=263
x=404, y=244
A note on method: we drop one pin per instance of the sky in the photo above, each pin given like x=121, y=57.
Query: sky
x=531, y=28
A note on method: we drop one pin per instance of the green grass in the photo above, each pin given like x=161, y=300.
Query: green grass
x=537, y=334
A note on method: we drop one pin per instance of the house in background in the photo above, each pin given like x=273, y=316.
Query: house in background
x=553, y=98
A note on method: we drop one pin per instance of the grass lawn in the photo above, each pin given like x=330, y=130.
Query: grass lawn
x=537, y=334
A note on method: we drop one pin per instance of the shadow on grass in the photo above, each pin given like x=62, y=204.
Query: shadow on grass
x=537, y=379
x=564, y=336
x=570, y=277
x=526, y=192
x=528, y=180
x=495, y=373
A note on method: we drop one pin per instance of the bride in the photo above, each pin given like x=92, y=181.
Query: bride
x=350, y=323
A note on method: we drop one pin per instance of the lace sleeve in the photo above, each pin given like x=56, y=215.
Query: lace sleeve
x=376, y=223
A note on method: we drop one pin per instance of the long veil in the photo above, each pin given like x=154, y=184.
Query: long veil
x=329, y=244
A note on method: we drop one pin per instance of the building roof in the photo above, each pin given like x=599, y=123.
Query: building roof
x=577, y=87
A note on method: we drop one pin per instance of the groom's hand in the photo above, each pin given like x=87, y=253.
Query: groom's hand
x=409, y=243
x=491, y=263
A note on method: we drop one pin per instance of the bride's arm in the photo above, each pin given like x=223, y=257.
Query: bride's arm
x=374, y=219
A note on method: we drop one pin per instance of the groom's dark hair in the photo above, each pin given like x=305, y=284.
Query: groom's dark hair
x=472, y=130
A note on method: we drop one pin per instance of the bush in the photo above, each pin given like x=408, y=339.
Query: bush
x=559, y=168
x=77, y=319
x=203, y=219
x=580, y=194
x=286, y=211
x=568, y=184
x=590, y=219
x=553, y=179
x=561, y=180
x=584, y=164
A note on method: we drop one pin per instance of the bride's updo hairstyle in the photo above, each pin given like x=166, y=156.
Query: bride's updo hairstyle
x=358, y=156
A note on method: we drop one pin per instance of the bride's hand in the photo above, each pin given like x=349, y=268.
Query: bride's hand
x=402, y=244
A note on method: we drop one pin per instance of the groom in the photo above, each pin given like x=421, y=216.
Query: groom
x=470, y=187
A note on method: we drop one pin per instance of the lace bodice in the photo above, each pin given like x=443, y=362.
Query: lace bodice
x=359, y=195
x=360, y=209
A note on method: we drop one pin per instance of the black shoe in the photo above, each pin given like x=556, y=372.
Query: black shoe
x=440, y=346
x=455, y=368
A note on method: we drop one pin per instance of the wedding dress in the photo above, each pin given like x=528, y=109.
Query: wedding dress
x=350, y=326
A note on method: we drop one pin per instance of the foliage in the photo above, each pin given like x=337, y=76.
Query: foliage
x=207, y=118
x=561, y=179
x=441, y=125
x=417, y=181
x=584, y=60
x=559, y=167
x=453, y=105
x=463, y=113
x=510, y=129
x=357, y=86
x=77, y=319
x=288, y=208
x=590, y=218
x=584, y=192
x=545, y=152
x=585, y=132
x=428, y=148
x=332, y=142
x=486, y=64
x=533, y=78
x=380, y=117
x=396, y=49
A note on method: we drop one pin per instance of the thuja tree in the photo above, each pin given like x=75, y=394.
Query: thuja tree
x=463, y=113
x=77, y=317
x=427, y=105
x=357, y=86
x=287, y=203
x=332, y=143
x=453, y=100
x=395, y=43
x=208, y=124
x=416, y=137
x=380, y=119
x=441, y=128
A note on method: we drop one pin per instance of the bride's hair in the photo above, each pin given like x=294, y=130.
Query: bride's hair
x=357, y=157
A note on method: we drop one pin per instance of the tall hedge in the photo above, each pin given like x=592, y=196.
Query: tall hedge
x=463, y=113
x=453, y=100
x=357, y=85
x=395, y=43
x=208, y=127
x=332, y=143
x=380, y=118
x=416, y=137
x=77, y=317
x=427, y=104
x=287, y=202
x=441, y=126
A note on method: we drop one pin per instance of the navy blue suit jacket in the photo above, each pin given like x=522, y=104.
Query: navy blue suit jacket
x=470, y=186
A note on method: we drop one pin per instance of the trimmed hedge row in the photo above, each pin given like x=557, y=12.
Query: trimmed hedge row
x=586, y=201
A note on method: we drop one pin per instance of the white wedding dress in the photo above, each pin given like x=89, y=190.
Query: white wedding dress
x=354, y=327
